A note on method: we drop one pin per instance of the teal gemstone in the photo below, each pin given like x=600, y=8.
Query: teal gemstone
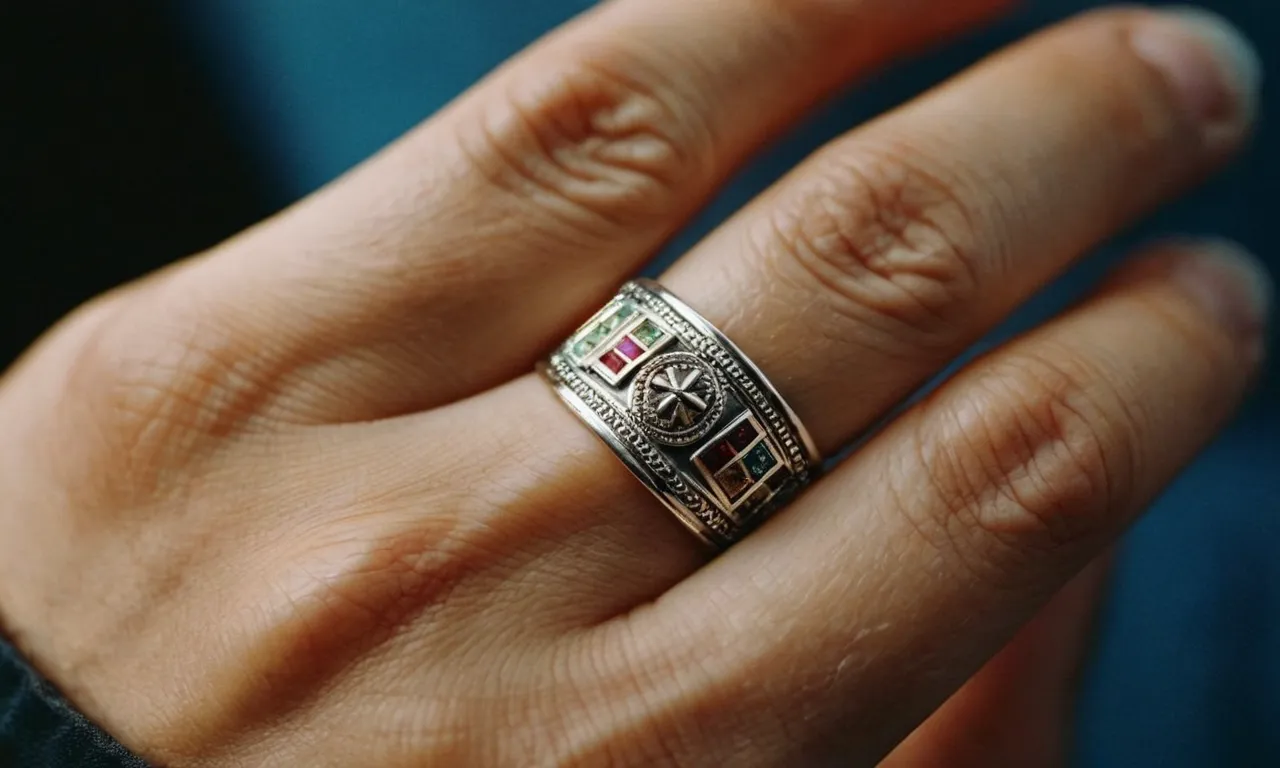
x=760, y=461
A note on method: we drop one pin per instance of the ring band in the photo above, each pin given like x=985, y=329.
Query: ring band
x=686, y=411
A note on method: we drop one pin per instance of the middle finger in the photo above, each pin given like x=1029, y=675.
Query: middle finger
x=881, y=258
x=894, y=248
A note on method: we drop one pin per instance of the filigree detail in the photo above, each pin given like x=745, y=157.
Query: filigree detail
x=721, y=359
x=625, y=427
x=678, y=398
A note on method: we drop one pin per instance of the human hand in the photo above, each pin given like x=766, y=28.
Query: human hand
x=297, y=501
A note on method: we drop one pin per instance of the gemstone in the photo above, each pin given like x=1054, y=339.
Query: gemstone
x=733, y=481
x=614, y=321
x=629, y=348
x=648, y=334
x=715, y=456
x=760, y=461
x=583, y=348
x=742, y=435
x=613, y=361
x=597, y=335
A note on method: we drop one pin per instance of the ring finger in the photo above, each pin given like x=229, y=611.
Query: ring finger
x=893, y=249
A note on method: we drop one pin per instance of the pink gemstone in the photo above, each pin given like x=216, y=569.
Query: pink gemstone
x=613, y=361
x=630, y=348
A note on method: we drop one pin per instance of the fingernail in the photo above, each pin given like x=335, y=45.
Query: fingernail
x=1230, y=282
x=1209, y=64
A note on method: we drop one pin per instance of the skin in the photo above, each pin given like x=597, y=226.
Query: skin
x=298, y=501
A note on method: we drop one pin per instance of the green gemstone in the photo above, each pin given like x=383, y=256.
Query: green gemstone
x=648, y=334
x=759, y=461
x=615, y=321
x=597, y=335
x=583, y=348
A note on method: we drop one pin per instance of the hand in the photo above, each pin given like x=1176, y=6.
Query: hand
x=298, y=501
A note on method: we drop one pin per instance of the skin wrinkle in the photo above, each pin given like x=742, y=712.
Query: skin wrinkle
x=482, y=582
x=874, y=232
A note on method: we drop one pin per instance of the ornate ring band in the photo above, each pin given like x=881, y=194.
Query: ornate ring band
x=686, y=411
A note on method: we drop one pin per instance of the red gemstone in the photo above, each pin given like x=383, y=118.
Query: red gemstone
x=716, y=456
x=613, y=361
x=630, y=348
x=742, y=436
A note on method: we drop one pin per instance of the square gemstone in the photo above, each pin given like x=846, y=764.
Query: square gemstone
x=714, y=457
x=648, y=334
x=614, y=322
x=733, y=481
x=598, y=334
x=613, y=361
x=742, y=436
x=629, y=348
x=760, y=461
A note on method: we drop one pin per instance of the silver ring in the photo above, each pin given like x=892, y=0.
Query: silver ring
x=686, y=411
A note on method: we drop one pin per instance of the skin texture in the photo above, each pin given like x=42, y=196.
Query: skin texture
x=297, y=501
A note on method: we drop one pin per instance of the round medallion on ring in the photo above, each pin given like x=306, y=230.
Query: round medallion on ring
x=677, y=398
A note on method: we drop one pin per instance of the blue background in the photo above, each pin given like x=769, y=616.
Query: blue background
x=1187, y=668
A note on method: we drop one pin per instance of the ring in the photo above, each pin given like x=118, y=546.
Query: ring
x=686, y=411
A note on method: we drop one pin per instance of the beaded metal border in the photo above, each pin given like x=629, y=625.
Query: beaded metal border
x=723, y=360
x=562, y=370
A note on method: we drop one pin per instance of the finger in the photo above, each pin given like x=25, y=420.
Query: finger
x=1017, y=710
x=874, y=597
x=450, y=261
x=892, y=250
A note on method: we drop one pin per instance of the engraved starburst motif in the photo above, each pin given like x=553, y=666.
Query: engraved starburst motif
x=679, y=403
x=677, y=398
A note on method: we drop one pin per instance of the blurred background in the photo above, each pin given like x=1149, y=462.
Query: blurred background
x=143, y=131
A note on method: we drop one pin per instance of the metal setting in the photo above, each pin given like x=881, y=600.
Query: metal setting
x=678, y=398
x=686, y=411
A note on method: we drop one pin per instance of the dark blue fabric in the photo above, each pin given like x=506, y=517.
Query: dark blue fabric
x=39, y=730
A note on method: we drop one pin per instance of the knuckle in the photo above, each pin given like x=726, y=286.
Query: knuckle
x=155, y=395
x=1035, y=456
x=888, y=242
x=603, y=137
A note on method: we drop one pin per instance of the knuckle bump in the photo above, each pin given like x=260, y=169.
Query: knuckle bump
x=887, y=241
x=1036, y=457
x=157, y=393
x=602, y=138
